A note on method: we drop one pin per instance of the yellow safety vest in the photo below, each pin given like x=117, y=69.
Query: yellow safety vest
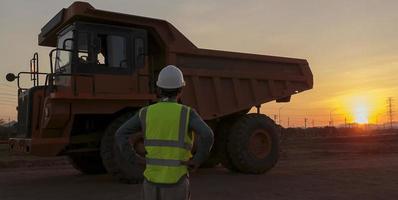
x=167, y=141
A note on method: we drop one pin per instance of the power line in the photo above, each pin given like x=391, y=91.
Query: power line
x=7, y=95
x=3, y=84
x=9, y=92
x=8, y=89
x=306, y=109
x=8, y=104
x=320, y=115
x=8, y=101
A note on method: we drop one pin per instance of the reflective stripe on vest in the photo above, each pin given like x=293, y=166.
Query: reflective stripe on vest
x=166, y=141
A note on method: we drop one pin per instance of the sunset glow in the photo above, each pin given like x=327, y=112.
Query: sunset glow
x=361, y=114
x=352, y=54
x=361, y=107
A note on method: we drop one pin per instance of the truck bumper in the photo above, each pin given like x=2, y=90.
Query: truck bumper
x=20, y=145
x=37, y=147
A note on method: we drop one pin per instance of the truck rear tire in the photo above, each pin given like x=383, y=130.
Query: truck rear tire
x=87, y=163
x=253, y=144
x=112, y=158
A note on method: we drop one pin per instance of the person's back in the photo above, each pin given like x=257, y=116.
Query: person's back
x=168, y=139
x=164, y=148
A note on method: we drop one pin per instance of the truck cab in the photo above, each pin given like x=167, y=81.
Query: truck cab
x=112, y=67
x=102, y=52
x=87, y=48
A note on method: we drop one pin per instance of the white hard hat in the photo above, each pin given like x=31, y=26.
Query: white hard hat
x=170, y=77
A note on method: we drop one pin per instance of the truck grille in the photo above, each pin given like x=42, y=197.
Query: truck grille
x=24, y=113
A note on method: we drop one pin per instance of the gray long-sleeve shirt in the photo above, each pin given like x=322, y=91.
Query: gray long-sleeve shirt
x=196, y=124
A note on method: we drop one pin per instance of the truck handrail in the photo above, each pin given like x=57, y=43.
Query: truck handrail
x=34, y=69
x=30, y=73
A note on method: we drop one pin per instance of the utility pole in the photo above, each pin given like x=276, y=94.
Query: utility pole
x=288, y=122
x=331, y=118
x=390, y=113
x=330, y=122
x=9, y=126
x=305, y=122
x=377, y=121
x=279, y=114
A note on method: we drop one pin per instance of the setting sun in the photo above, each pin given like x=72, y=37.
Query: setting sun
x=361, y=113
x=360, y=107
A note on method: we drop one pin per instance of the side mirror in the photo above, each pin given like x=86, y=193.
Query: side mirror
x=11, y=77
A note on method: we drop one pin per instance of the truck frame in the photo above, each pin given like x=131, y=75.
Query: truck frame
x=103, y=69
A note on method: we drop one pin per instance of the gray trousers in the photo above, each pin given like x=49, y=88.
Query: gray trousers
x=179, y=191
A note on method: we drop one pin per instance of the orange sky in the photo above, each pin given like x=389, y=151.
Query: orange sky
x=350, y=45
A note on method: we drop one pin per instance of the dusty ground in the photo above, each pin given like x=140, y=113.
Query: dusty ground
x=333, y=168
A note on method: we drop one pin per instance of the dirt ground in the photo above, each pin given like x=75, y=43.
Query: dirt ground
x=310, y=168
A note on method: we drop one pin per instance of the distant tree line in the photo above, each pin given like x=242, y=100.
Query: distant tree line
x=330, y=131
x=7, y=130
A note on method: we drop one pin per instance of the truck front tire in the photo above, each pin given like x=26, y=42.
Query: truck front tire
x=112, y=158
x=213, y=159
x=87, y=163
x=253, y=144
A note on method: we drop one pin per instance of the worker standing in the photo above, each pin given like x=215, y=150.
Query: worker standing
x=167, y=127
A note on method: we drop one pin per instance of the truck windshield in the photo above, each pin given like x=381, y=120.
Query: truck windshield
x=63, y=59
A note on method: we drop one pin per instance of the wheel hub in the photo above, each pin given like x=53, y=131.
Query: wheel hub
x=137, y=142
x=260, y=143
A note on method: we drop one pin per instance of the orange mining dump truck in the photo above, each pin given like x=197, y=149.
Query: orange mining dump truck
x=103, y=69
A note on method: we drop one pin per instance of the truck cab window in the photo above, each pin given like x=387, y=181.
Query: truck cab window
x=111, y=51
x=63, y=57
x=83, y=47
x=139, y=52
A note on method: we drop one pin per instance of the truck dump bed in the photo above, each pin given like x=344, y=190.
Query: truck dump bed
x=220, y=83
